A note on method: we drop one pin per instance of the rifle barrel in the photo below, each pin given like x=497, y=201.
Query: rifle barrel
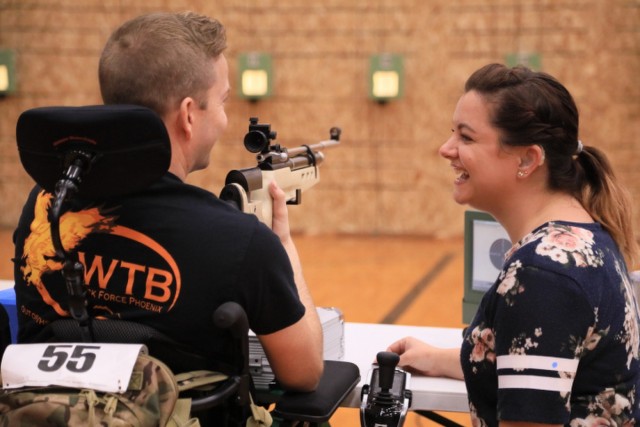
x=292, y=152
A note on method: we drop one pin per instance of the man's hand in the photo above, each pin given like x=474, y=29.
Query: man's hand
x=280, y=220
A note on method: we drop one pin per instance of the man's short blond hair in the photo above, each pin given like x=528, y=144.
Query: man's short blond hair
x=158, y=59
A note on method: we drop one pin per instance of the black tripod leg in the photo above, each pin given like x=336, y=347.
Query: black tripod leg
x=438, y=418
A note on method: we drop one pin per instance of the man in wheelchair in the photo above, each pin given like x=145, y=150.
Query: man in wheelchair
x=168, y=254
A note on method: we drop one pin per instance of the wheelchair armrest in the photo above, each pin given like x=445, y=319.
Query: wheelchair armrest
x=338, y=380
x=228, y=388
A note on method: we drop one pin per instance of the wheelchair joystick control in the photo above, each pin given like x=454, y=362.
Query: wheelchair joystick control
x=387, y=363
x=386, y=398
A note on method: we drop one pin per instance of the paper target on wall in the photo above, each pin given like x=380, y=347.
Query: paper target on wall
x=490, y=244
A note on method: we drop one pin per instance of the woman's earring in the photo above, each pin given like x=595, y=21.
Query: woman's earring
x=522, y=174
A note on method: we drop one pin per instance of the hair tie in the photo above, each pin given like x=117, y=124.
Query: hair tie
x=580, y=147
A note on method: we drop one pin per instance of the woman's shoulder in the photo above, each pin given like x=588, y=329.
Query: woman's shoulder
x=564, y=244
x=583, y=254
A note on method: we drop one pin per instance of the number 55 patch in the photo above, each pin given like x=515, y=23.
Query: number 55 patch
x=101, y=367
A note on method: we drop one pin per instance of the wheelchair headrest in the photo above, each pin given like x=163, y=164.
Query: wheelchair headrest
x=128, y=146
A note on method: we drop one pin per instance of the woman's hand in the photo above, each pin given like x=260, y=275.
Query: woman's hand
x=421, y=358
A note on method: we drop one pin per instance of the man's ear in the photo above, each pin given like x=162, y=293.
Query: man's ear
x=532, y=157
x=185, y=117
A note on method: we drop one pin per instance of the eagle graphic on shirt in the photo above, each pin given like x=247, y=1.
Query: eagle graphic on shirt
x=40, y=258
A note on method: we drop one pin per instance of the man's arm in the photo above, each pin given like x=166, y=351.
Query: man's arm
x=295, y=353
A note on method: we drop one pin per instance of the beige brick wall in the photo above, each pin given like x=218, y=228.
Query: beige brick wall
x=386, y=177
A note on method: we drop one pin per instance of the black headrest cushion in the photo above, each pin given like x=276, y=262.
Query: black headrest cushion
x=128, y=144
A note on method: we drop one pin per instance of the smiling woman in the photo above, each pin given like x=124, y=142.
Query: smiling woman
x=542, y=347
x=486, y=169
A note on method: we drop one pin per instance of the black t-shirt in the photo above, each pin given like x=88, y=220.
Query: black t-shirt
x=166, y=257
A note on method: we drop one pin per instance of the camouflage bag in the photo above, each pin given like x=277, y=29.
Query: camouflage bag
x=206, y=380
x=151, y=399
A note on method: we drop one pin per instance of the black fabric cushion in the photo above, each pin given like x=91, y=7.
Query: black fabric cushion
x=337, y=381
x=128, y=145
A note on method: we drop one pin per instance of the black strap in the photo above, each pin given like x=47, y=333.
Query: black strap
x=311, y=154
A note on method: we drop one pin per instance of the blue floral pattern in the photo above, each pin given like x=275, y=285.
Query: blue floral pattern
x=564, y=295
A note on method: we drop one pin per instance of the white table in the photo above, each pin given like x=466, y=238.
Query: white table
x=364, y=340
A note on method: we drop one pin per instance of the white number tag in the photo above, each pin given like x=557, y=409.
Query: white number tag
x=102, y=367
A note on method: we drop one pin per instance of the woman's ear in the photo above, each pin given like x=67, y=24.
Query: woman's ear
x=532, y=157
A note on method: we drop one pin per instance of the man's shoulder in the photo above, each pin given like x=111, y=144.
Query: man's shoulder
x=189, y=197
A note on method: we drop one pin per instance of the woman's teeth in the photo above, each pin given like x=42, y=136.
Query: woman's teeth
x=463, y=176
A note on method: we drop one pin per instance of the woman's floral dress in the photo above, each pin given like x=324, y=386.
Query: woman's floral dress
x=555, y=339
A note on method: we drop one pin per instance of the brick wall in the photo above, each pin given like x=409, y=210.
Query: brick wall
x=386, y=177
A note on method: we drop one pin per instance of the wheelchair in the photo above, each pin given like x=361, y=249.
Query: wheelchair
x=109, y=150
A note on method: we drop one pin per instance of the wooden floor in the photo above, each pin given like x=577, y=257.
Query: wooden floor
x=413, y=281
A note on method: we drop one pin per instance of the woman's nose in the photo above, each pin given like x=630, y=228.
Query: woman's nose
x=448, y=149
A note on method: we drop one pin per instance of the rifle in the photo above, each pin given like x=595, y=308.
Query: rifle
x=294, y=170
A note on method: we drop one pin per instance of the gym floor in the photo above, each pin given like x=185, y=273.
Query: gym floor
x=372, y=279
